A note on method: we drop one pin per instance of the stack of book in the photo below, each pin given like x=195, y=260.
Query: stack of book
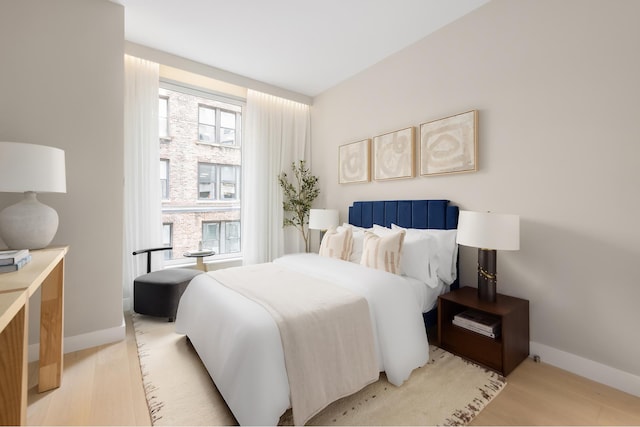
x=13, y=260
x=478, y=321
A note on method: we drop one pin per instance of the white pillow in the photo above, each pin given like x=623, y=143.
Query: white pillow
x=382, y=231
x=447, y=252
x=382, y=253
x=337, y=244
x=358, y=241
x=419, y=255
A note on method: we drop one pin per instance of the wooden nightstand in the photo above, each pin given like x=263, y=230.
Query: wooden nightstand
x=501, y=354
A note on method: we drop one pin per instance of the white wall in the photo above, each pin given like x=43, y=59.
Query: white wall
x=556, y=85
x=61, y=84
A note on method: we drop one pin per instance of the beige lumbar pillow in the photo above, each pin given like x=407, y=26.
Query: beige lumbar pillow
x=337, y=244
x=383, y=253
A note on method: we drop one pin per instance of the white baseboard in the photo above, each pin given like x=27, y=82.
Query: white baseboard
x=82, y=341
x=595, y=371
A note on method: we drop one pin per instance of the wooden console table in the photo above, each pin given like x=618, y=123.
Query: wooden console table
x=46, y=270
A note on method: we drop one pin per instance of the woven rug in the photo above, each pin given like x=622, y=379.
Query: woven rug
x=446, y=391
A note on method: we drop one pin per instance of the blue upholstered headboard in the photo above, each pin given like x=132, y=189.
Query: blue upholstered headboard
x=436, y=214
x=405, y=213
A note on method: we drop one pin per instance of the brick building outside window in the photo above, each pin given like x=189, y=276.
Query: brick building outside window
x=201, y=168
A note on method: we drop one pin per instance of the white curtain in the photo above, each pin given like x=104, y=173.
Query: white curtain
x=142, y=198
x=277, y=133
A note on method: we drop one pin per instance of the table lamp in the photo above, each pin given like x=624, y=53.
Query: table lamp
x=488, y=232
x=30, y=169
x=323, y=219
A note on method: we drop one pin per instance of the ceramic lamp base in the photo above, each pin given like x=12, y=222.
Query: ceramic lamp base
x=28, y=224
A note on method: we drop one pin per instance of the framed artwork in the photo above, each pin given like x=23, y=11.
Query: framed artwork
x=449, y=145
x=393, y=156
x=354, y=162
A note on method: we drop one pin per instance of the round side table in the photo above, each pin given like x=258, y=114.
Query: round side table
x=200, y=255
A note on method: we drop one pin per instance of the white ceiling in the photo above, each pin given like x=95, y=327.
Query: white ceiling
x=305, y=46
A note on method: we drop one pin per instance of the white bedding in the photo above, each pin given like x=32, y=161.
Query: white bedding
x=325, y=330
x=426, y=296
x=239, y=343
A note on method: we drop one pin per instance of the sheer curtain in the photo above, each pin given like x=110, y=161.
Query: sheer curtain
x=277, y=133
x=142, y=198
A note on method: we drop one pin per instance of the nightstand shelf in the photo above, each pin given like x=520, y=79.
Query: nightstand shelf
x=501, y=354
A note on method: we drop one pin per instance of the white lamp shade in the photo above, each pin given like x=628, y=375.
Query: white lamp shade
x=31, y=167
x=323, y=219
x=488, y=230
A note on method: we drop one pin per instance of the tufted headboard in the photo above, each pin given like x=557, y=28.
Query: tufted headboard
x=437, y=214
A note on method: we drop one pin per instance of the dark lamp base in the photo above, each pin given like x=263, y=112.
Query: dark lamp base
x=487, y=280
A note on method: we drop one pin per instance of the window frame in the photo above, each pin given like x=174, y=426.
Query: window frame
x=167, y=136
x=167, y=179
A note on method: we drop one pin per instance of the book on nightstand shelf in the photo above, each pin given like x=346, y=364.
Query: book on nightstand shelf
x=16, y=266
x=13, y=256
x=478, y=321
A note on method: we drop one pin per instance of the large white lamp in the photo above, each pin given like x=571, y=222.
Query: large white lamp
x=323, y=219
x=30, y=169
x=488, y=232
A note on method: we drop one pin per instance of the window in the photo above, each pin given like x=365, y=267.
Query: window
x=209, y=175
x=232, y=237
x=211, y=236
x=167, y=238
x=228, y=182
x=164, y=179
x=206, y=181
x=200, y=172
x=212, y=118
x=211, y=232
x=163, y=117
x=206, y=124
x=227, y=127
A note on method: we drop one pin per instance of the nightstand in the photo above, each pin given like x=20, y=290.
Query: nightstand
x=502, y=354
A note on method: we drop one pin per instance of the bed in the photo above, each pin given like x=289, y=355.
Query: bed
x=240, y=344
x=417, y=214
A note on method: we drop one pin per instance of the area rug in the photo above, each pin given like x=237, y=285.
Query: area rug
x=446, y=391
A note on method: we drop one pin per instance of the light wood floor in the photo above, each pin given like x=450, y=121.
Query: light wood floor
x=103, y=386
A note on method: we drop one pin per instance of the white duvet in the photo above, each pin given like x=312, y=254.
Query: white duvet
x=239, y=343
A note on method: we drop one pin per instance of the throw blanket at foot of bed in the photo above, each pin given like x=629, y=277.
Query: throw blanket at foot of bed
x=326, y=333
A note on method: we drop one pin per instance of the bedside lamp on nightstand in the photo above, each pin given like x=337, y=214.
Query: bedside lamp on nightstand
x=323, y=219
x=488, y=232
